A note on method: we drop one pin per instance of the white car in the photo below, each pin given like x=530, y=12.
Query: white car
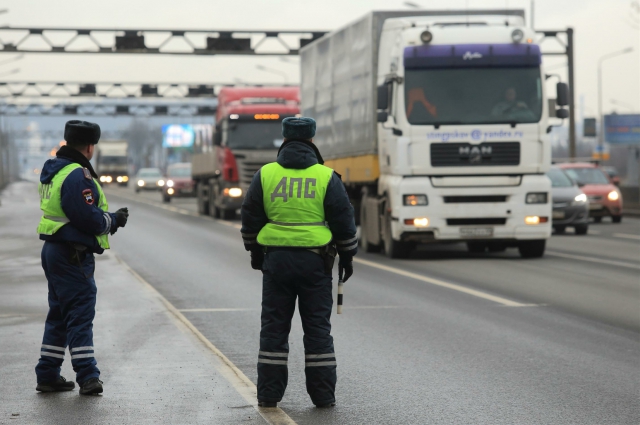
x=149, y=179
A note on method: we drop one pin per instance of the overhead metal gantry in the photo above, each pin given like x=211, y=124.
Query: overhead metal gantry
x=114, y=90
x=109, y=109
x=205, y=42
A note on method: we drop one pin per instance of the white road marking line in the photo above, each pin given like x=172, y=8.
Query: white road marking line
x=438, y=282
x=627, y=236
x=207, y=310
x=243, y=385
x=594, y=260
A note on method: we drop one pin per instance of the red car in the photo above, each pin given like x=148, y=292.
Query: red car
x=179, y=181
x=604, y=197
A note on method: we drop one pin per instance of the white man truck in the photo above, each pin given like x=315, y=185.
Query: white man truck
x=112, y=162
x=437, y=122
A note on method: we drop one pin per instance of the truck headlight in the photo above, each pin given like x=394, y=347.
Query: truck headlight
x=418, y=222
x=108, y=179
x=536, y=198
x=170, y=191
x=103, y=179
x=580, y=199
x=533, y=220
x=415, y=200
x=613, y=195
x=119, y=179
x=169, y=183
x=234, y=192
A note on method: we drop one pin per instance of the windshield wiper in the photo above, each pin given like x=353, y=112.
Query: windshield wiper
x=437, y=125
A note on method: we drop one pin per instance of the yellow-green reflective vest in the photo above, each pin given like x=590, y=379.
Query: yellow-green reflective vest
x=294, y=203
x=53, y=217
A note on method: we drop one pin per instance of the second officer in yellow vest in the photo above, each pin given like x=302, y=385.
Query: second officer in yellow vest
x=296, y=214
x=75, y=224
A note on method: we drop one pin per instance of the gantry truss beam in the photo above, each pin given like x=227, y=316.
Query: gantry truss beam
x=204, y=42
x=99, y=109
x=115, y=90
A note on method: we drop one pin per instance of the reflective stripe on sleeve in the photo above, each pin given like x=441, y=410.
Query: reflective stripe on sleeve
x=320, y=356
x=349, y=247
x=81, y=356
x=46, y=353
x=73, y=350
x=281, y=223
x=312, y=364
x=53, y=347
x=107, y=218
x=348, y=241
x=273, y=354
x=269, y=361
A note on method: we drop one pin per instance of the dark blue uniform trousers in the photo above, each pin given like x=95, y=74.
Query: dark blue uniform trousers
x=288, y=274
x=72, y=305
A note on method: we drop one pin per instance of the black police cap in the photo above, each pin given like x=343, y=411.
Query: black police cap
x=78, y=132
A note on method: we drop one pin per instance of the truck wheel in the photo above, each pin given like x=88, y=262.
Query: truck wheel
x=616, y=218
x=532, y=249
x=226, y=214
x=392, y=248
x=213, y=210
x=203, y=204
x=166, y=198
x=476, y=247
x=364, y=242
x=582, y=229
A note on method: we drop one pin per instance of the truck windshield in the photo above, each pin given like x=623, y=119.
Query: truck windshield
x=254, y=135
x=473, y=96
x=113, y=160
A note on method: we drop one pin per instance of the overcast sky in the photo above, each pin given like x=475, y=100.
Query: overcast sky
x=601, y=27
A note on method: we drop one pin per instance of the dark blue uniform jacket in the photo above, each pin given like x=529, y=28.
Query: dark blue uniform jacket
x=86, y=219
x=338, y=211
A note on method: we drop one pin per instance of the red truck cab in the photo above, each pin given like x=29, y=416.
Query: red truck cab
x=247, y=135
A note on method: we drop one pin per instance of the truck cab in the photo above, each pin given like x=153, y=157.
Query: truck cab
x=247, y=135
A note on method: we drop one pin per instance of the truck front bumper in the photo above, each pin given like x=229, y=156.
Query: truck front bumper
x=509, y=219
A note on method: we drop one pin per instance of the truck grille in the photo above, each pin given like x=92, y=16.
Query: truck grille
x=472, y=221
x=248, y=170
x=474, y=199
x=468, y=155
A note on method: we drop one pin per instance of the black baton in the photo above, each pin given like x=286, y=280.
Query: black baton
x=340, y=295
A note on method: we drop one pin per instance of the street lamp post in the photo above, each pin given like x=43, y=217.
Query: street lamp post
x=274, y=71
x=600, y=112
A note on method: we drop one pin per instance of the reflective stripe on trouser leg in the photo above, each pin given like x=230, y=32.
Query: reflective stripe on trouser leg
x=54, y=340
x=278, y=304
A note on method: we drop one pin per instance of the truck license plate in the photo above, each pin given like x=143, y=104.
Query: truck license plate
x=558, y=214
x=475, y=232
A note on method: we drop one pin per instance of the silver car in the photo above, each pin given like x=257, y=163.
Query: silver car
x=570, y=204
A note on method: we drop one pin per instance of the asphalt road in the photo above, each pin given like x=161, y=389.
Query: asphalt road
x=444, y=337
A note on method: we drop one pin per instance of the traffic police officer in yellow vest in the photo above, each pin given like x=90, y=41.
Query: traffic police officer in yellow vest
x=295, y=216
x=75, y=224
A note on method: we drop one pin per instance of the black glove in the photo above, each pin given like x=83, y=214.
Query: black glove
x=257, y=258
x=345, y=266
x=122, y=215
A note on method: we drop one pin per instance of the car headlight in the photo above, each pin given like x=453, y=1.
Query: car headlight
x=119, y=179
x=103, y=179
x=170, y=191
x=108, y=179
x=536, y=198
x=169, y=183
x=140, y=183
x=125, y=179
x=160, y=183
x=415, y=200
x=613, y=195
x=580, y=199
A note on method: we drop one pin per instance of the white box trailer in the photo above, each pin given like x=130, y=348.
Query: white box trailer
x=437, y=121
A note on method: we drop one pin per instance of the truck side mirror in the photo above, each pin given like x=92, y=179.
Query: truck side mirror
x=383, y=116
x=562, y=113
x=562, y=94
x=383, y=97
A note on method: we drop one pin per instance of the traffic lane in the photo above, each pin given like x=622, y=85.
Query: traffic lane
x=601, y=292
x=153, y=196
x=402, y=344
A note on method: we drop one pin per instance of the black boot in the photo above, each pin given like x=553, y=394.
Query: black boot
x=267, y=404
x=91, y=386
x=54, y=386
x=322, y=406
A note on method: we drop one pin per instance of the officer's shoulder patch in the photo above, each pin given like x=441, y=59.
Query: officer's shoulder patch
x=87, y=173
x=87, y=194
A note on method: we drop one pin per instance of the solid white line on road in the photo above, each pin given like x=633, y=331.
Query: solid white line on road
x=206, y=310
x=594, y=260
x=438, y=282
x=243, y=385
x=627, y=236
